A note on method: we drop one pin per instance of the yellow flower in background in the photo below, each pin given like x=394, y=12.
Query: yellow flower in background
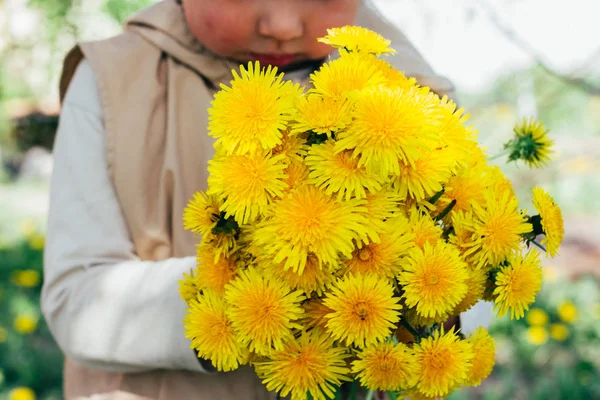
x=263, y=311
x=434, y=279
x=28, y=227
x=537, y=335
x=343, y=78
x=425, y=176
x=213, y=274
x=386, y=366
x=445, y=361
x=551, y=220
x=530, y=144
x=357, y=39
x=248, y=183
x=315, y=314
x=484, y=351
x=559, y=332
x=364, y=309
x=384, y=258
x=567, y=312
x=381, y=206
x=202, y=213
x=250, y=115
x=212, y=334
x=37, y=241
x=476, y=283
x=424, y=228
x=311, y=364
x=309, y=221
x=21, y=393
x=321, y=115
x=188, y=290
x=498, y=229
x=537, y=317
x=3, y=335
x=25, y=278
x=390, y=126
x=339, y=173
x=517, y=284
x=315, y=276
x=25, y=324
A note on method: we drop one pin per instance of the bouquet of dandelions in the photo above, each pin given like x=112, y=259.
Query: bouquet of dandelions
x=343, y=225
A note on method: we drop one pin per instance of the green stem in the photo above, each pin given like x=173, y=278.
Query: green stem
x=538, y=245
x=446, y=210
x=410, y=328
x=370, y=395
x=353, y=390
x=392, y=395
x=500, y=154
x=437, y=196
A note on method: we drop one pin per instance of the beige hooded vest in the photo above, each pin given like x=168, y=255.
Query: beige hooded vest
x=156, y=83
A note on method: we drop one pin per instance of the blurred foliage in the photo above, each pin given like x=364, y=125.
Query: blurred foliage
x=119, y=10
x=29, y=357
x=553, y=353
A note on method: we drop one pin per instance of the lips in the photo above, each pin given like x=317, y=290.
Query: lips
x=276, y=60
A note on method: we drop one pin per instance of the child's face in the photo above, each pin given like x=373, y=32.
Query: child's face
x=276, y=32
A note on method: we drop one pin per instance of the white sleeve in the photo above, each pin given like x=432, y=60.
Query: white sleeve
x=105, y=307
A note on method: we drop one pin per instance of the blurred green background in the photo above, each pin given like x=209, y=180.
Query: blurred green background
x=553, y=354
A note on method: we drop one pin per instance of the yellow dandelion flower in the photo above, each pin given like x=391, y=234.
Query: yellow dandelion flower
x=417, y=320
x=310, y=365
x=297, y=175
x=37, y=241
x=498, y=228
x=323, y=115
x=530, y=143
x=315, y=277
x=394, y=78
x=202, y=213
x=342, y=78
x=386, y=366
x=339, y=172
x=293, y=147
x=252, y=113
x=537, y=317
x=357, y=39
x=424, y=228
x=213, y=273
x=517, y=284
x=211, y=332
x=434, y=278
x=452, y=129
x=27, y=278
x=315, y=314
x=567, y=312
x=309, y=221
x=247, y=182
x=484, y=351
x=445, y=361
x=25, y=324
x=476, y=284
x=537, y=335
x=262, y=310
x=559, y=332
x=462, y=233
x=551, y=220
x=364, y=309
x=425, y=176
x=384, y=258
x=467, y=186
x=21, y=393
x=499, y=183
x=381, y=206
x=188, y=290
x=390, y=126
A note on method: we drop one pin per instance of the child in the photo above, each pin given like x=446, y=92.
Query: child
x=131, y=150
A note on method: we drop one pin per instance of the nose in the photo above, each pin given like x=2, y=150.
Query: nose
x=282, y=21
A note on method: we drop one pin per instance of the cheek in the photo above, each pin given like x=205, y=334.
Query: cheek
x=220, y=31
